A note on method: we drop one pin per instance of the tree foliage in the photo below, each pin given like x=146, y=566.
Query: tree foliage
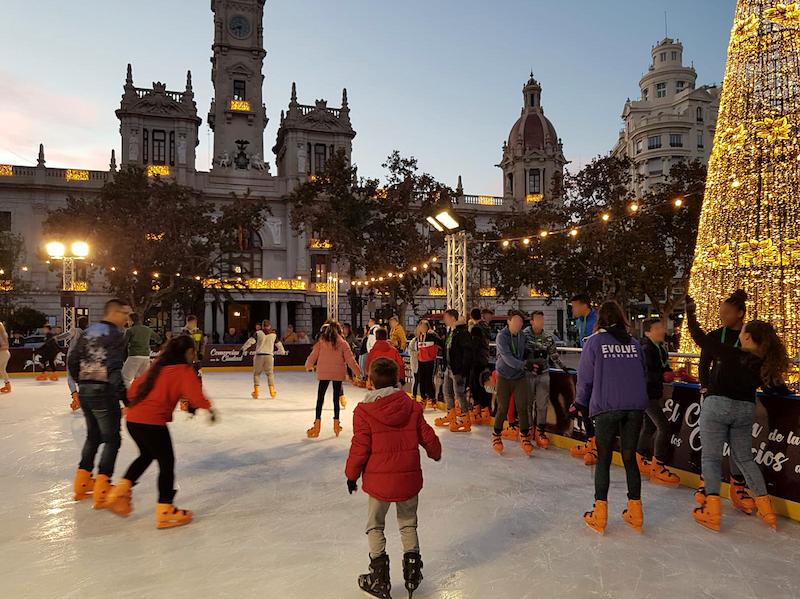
x=630, y=255
x=154, y=240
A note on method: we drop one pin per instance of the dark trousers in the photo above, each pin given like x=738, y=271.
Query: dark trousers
x=154, y=443
x=627, y=424
x=48, y=363
x=588, y=425
x=102, y=414
x=337, y=393
x=505, y=389
x=425, y=376
x=415, y=388
x=654, y=422
x=479, y=395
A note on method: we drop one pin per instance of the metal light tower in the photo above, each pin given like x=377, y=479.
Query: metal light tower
x=79, y=251
x=456, y=241
x=332, y=291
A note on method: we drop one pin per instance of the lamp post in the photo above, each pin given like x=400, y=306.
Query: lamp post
x=79, y=250
x=444, y=221
x=332, y=290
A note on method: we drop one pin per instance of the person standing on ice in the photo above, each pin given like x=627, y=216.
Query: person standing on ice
x=397, y=334
x=138, y=338
x=71, y=337
x=96, y=364
x=728, y=411
x=266, y=342
x=388, y=428
x=192, y=330
x=384, y=349
x=5, y=356
x=612, y=385
x=511, y=369
x=331, y=355
x=585, y=320
x=651, y=455
x=458, y=356
x=151, y=401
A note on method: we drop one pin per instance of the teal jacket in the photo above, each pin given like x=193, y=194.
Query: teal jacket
x=138, y=338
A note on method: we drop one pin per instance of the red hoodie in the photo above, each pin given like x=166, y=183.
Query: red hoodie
x=387, y=433
x=175, y=382
x=384, y=349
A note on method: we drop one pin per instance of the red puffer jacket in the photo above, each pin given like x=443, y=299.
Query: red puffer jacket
x=387, y=433
x=382, y=349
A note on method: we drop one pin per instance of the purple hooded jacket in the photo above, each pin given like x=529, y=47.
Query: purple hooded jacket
x=612, y=375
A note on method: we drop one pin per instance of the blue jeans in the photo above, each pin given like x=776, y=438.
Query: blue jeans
x=102, y=414
x=724, y=420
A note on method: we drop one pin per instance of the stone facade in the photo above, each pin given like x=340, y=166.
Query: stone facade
x=159, y=131
x=674, y=120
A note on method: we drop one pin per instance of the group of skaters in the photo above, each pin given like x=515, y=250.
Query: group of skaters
x=619, y=394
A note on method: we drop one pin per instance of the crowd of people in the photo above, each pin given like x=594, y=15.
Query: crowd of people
x=618, y=394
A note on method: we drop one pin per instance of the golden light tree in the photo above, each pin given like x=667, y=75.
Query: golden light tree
x=749, y=234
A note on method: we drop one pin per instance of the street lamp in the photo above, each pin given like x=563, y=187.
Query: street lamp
x=79, y=250
x=445, y=221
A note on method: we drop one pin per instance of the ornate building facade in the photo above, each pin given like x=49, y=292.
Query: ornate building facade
x=159, y=131
x=672, y=121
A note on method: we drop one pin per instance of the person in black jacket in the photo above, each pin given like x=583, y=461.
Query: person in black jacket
x=481, y=335
x=96, y=364
x=732, y=313
x=49, y=352
x=458, y=353
x=728, y=411
x=651, y=458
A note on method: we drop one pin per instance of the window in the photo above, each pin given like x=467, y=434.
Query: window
x=639, y=147
x=663, y=56
x=510, y=183
x=245, y=260
x=5, y=221
x=485, y=277
x=239, y=90
x=319, y=268
x=159, y=146
x=675, y=140
x=145, y=146
x=674, y=55
x=700, y=143
x=661, y=90
x=654, y=142
x=645, y=92
x=172, y=148
x=534, y=181
x=699, y=114
x=319, y=158
x=680, y=86
x=655, y=167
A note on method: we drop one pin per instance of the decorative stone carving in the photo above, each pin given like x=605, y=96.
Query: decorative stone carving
x=275, y=228
x=224, y=160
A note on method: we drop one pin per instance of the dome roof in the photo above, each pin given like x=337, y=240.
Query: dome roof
x=535, y=128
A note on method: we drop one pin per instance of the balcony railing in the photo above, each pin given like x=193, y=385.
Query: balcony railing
x=477, y=200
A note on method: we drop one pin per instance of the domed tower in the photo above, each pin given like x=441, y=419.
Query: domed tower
x=533, y=154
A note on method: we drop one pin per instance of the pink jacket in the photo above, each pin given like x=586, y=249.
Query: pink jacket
x=332, y=362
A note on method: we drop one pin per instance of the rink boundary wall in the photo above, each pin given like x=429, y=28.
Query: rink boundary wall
x=784, y=507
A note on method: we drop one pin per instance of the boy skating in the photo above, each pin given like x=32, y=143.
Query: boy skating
x=388, y=428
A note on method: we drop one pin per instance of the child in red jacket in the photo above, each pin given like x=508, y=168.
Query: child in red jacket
x=152, y=399
x=388, y=428
x=384, y=349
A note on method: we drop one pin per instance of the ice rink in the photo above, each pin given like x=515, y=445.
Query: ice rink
x=273, y=518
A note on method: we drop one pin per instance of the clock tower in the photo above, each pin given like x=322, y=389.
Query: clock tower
x=238, y=115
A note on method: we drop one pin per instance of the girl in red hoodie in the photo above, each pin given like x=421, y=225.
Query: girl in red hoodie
x=152, y=399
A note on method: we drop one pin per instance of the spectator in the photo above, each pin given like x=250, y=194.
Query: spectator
x=397, y=336
x=231, y=336
x=302, y=338
x=585, y=317
x=17, y=340
x=290, y=336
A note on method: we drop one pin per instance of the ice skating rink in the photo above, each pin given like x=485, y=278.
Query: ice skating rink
x=273, y=518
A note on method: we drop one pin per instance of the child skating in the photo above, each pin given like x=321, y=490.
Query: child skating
x=267, y=344
x=388, y=428
x=151, y=401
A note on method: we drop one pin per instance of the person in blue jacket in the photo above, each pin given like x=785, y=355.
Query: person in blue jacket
x=612, y=385
x=585, y=321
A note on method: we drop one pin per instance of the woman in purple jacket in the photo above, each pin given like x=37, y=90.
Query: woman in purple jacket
x=612, y=384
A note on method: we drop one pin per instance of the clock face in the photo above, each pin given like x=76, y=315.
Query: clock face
x=239, y=27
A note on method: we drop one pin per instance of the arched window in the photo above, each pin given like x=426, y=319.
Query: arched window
x=246, y=260
x=699, y=114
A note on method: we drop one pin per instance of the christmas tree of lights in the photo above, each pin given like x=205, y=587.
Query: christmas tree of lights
x=749, y=234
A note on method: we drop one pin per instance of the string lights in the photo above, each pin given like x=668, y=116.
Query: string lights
x=749, y=233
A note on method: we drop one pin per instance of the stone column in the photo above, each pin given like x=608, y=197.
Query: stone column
x=273, y=314
x=208, y=318
x=284, y=316
x=220, y=324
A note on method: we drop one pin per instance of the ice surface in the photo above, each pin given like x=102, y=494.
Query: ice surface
x=273, y=518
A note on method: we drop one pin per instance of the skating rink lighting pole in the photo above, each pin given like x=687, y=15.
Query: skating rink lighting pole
x=332, y=291
x=79, y=250
x=444, y=221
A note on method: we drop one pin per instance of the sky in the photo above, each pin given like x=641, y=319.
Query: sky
x=439, y=80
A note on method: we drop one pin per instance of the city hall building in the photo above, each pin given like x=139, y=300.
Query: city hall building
x=159, y=130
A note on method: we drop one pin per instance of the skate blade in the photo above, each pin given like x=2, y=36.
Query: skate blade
x=164, y=525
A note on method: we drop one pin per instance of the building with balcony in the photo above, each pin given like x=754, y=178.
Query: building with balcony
x=673, y=120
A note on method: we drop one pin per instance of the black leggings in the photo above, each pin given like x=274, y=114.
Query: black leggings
x=655, y=422
x=588, y=425
x=337, y=393
x=425, y=376
x=154, y=443
x=627, y=424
